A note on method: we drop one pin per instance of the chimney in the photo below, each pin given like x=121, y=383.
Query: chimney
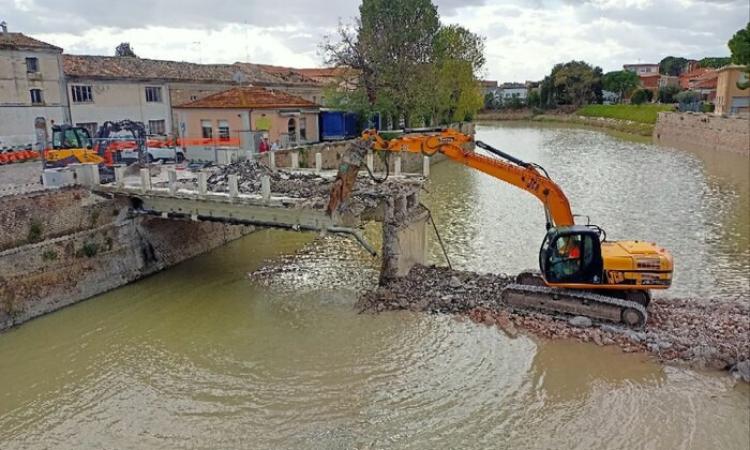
x=4, y=26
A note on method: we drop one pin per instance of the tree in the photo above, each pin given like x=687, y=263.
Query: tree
x=124, y=49
x=715, y=62
x=672, y=65
x=408, y=66
x=573, y=83
x=641, y=96
x=688, y=97
x=739, y=45
x=534, y=100
x=623, y=82
x=666, y=94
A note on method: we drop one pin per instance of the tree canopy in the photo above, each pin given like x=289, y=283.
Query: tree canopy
x=124, y=49
x=622, y=82
x=715, y=62
x=672, y=65
x=739, y=45
x=573, y=83
x=408, y=65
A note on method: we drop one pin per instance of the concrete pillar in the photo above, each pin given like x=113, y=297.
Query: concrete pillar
x=426, y=166
x=265, y=187
x=272, y=159
x=145, y=180
x=295, y=160
x=404, y=243
x=234, y=189
x=119, y=175
x=397, y=165
x=202, y=183
x=370, y=162
x=172, y=181
x=318, y=162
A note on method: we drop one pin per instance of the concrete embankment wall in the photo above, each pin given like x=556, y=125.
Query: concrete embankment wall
x=703, y=132
x=64, y=246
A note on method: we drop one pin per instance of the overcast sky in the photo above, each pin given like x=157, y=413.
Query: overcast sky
x=524, y=37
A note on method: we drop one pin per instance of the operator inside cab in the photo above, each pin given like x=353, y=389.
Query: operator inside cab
x=566, y=259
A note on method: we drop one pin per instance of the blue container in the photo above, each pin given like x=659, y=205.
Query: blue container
x=338, y=125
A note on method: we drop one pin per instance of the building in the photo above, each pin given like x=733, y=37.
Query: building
x=235, y=116
x=488, y=87
x=730, y=99
x=642, y=69
x=31, y=86
x=507, y=91
x=650, y=81
x=701, y=80
x=102, y=88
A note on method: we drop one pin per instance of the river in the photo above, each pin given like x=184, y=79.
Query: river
x=199, y=356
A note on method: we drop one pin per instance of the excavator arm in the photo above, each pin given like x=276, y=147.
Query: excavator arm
x=451, y=143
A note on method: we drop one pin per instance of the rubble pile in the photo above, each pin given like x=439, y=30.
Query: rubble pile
x=311, y=187
x=704, y=334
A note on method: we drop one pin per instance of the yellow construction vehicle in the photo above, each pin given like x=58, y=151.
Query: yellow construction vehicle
x=71, y=145
x=581, y=272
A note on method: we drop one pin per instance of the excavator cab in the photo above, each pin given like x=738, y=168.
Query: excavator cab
x=572, y=254
x=68, y=137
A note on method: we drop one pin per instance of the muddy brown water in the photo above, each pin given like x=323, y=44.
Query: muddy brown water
x=200, y=357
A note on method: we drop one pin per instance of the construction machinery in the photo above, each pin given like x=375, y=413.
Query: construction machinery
x=581, y=272
x=71, y=145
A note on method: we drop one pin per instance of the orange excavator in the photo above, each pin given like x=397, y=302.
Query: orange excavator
x=581, y=272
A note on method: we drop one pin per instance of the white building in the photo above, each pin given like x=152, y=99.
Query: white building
x=507, y=91
x=31, y=86
x=642, y=69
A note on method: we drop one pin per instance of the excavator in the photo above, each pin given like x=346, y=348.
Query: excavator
x=581, y=272
x=74, y=144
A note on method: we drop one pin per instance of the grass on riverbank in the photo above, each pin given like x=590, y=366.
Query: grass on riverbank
x=634, y=113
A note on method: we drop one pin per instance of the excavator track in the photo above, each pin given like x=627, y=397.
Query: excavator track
x=573, y=302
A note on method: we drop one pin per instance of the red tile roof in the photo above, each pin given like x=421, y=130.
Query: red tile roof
x=698, y=75
x=19, y=41
x=250, y=98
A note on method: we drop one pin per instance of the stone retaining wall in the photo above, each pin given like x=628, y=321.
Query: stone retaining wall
x=703, y=132
x=77, y=257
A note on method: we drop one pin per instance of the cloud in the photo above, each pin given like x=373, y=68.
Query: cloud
x=525, y=38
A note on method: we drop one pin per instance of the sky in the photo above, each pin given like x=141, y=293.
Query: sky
x=524, y=38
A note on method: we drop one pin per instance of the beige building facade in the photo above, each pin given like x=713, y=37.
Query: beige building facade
x=730, y=99
x=31, y=85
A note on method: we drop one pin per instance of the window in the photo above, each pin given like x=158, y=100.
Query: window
x=36, y=97
x=32, y=65
x=153, y=94
x=223, y=130
x=157, y=127
x=89, y=126
x=81, y=94
x=207, y=130
x=303, y=129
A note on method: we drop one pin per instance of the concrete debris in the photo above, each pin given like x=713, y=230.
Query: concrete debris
x=696, y=332
x=580, y=322
x=311, y=187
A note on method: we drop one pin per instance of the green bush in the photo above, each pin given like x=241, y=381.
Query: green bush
x=707, y=107
x=641, y=96
x=89, y=250
x=35, y=231
x=49, y=255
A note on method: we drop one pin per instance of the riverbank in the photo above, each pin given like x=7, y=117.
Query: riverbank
x=631, y=127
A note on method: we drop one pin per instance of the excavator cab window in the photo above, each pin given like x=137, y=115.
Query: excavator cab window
x=70, y=137
x=571, y=255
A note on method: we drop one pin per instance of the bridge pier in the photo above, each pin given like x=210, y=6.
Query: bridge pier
x=404, y=237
